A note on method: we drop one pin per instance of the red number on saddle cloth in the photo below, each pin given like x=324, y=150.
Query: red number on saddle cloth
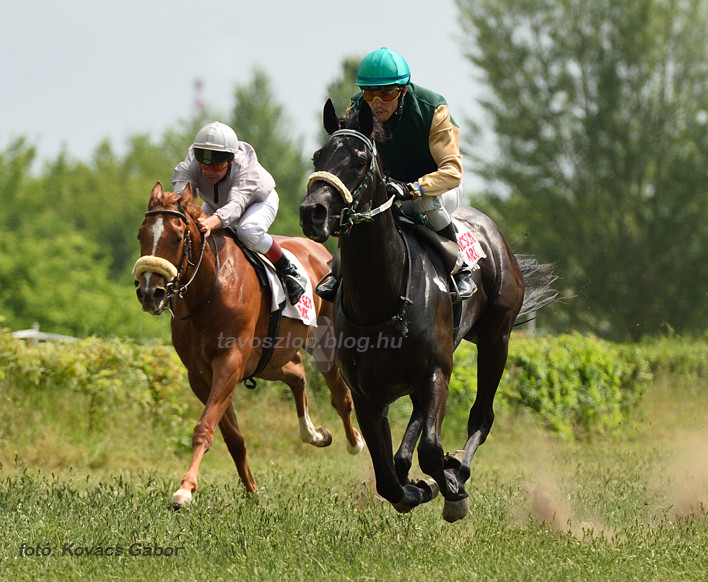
x=304, y=307
x=470, y=247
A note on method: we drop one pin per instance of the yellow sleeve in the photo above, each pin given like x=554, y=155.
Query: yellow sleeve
x=444, y=142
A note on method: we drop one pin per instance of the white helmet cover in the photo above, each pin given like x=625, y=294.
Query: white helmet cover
x=216, y=137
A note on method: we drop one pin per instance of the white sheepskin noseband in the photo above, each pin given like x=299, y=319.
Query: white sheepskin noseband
x=152, y=264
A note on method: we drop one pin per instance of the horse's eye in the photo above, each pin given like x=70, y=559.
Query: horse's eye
x=316, y=157
x=361, y=160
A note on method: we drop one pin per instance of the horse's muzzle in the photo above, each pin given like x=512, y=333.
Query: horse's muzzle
x=153, y=298
x=314, y=221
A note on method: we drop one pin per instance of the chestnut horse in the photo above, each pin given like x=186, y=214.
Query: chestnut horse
x=220, y=321
x=395, y=292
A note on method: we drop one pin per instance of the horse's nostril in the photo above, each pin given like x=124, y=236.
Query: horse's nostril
x=318, y=214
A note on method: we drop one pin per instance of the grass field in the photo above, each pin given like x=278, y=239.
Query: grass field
x=93, y=504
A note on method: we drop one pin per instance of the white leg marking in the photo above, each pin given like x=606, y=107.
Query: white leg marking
x=182, y=497
x=307, y=431
x=355, y=450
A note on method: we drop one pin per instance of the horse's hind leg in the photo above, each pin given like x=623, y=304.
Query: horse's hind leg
x=343, y=404
x=293, y=374
x=491, y=358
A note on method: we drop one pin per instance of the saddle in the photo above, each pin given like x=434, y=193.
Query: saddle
x=252, y=258
x=445, y=249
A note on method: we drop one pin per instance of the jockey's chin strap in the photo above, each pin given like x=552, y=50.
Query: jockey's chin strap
x=172, y=274
x=349, y=215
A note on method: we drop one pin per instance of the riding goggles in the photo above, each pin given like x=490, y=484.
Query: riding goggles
x=215, y=167
x=384, y=94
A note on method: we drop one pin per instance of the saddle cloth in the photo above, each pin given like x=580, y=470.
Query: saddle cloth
x=471, y=251
x=304, y=310
x=267, y=276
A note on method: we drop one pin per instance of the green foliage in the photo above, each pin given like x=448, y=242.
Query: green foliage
x=675, y=355
x=68, y=238
x=147, y=381
x=578, y=386
x=598, y=110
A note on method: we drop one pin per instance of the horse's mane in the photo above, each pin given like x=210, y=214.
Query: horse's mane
x=379, y=133
x=193, y=209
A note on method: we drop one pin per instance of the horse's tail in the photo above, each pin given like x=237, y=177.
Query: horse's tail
x=538, y=280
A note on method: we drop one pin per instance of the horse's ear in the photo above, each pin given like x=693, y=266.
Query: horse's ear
x=366, y=119
x=186, y=196
x=329, y=116
x=156, y=194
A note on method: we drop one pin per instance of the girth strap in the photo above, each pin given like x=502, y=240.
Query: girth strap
x=273, y=327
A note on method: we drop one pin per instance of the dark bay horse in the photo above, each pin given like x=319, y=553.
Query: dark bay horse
x=395, y=293
x=220, y=321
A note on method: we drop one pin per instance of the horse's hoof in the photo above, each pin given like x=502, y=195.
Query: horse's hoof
x=326, y=439
x=357, y=448
x=402, y=507
x=181, y=498
x=456, y=510
x=431, y=486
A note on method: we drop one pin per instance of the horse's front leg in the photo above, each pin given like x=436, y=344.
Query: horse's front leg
x=375, y=428
x=403, y=459
x=225, y=376
x=433, y=402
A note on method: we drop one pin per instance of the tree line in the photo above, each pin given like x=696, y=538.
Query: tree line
x=593, y=157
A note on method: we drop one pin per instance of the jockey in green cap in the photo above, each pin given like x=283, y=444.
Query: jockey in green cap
x=420, y=153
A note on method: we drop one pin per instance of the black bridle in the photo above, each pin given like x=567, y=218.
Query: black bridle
x=174, y=287
x=350, y=214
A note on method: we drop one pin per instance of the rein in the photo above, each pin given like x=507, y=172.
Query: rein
x=349, y=215
x=173, y=274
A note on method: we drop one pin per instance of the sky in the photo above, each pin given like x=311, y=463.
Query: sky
x=75, y=73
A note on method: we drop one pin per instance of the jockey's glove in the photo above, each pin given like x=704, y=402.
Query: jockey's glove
x=401, y=190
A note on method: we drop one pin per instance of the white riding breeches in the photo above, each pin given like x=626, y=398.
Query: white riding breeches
x=252, y=227
x=437, y=209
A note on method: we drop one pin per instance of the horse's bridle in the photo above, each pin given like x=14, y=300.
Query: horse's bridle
x=350, y=216
x=173, y=275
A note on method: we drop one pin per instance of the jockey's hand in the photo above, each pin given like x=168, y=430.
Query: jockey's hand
x=401, y=190
x=209, y=223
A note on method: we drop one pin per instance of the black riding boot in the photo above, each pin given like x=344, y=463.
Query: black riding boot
x=295, y=284
x=462, y=286
x=328, y=286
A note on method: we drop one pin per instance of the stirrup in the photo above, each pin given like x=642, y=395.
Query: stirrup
x=462, y=288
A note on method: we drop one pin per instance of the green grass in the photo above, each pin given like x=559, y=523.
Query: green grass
x=542, y=508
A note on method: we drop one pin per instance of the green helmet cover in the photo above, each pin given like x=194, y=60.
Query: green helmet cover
x=383, y=67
